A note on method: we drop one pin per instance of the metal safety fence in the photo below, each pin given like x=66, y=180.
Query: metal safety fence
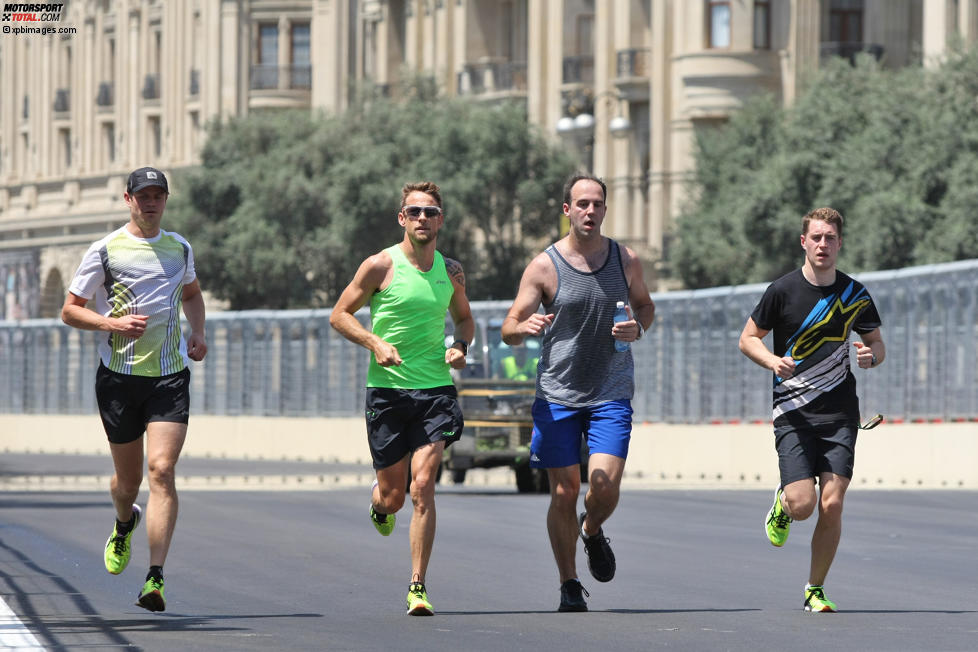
x=688, y=367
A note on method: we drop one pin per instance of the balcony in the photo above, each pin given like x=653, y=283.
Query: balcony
x=493, y=79
x=151, y=87
x=849, y=50
x=267, y=77
x=715, y=83
x=106, y=94
x=62, y=101
x=579, y=69
x=280, y=86
x=632, y=74
x=633, y=62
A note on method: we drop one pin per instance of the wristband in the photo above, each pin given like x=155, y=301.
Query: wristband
x=641, y=331
x=465, y=346
x=873, y=363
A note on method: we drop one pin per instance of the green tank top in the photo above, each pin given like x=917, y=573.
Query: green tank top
x=410, y=314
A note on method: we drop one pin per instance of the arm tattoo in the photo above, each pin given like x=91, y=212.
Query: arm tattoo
x=454, y=269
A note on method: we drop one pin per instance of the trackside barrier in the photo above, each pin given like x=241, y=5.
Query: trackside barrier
x=688, y=367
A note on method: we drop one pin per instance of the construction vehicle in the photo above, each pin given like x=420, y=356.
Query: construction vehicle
x=496, y=392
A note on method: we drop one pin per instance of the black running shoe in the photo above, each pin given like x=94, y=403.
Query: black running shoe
x=600, y=559
x=572, y=596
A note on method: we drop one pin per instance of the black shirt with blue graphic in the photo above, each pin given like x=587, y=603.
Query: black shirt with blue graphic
x=811, y=324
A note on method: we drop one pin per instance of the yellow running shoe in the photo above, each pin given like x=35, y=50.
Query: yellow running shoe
x=777, y=523
x=118, y=548
x=151, y=597
x=417, y=601
x=383, y=522
x=815, y=600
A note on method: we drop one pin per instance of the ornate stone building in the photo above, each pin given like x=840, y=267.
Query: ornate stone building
x=627, y=82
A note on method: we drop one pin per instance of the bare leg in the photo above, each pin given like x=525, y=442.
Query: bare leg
x=798, y=499
x=424, y=469
x=128, y=462
x=565, y=487
x=164, y=441
x=604, y=485
x=388, y=496
x=828, y=529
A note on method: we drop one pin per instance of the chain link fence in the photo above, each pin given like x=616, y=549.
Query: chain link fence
x=688, y=366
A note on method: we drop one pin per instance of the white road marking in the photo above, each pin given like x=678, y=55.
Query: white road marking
x=13, y=634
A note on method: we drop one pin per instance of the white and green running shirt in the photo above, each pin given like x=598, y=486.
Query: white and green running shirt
x=138, y=276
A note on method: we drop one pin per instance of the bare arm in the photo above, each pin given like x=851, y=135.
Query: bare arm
x=752, y=345
x=870, y=346
x=641, y=309
x=461, y=314
x=523, y=318
x=369, y=278
x=74, y=313
x=193, y=308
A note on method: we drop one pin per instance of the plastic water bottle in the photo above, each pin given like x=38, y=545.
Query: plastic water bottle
x=620, y=315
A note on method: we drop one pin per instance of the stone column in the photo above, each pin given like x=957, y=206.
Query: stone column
x=800, y=59
x=234, y=61
x=660, y=118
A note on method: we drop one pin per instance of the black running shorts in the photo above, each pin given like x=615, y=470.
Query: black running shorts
x=807, y=452
x=402, y=420
x=127, y=403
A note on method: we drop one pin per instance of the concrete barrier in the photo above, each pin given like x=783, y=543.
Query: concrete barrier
x=912, y=456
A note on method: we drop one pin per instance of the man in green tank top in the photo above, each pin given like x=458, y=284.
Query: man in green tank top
x=412, y=407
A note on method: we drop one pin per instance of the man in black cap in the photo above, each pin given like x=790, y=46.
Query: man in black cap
x=139, y=277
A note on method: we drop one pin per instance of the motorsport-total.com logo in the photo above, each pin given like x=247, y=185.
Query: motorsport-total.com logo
x=30, y=12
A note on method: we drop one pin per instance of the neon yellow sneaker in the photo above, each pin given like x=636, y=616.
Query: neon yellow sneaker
x=777, y=523
x=815, y=600
x=118, y=548
x=383, y=522
x=417, y=601
x=151, y=597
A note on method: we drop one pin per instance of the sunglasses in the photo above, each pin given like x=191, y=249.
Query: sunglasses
x=872, y=423
x=414, y=212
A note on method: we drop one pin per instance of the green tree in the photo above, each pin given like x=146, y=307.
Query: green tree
x=896, y=151
x=285, y=205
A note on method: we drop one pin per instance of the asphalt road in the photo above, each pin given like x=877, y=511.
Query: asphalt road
x=305, y=570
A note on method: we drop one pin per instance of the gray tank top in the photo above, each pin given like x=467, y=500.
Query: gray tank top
x=578, y=362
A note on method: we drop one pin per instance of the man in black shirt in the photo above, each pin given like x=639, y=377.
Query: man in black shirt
x=812, y=310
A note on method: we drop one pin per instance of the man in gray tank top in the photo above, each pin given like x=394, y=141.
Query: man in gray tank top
x=584, y=384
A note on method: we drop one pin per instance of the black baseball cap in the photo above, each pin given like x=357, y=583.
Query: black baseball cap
x=145, y=177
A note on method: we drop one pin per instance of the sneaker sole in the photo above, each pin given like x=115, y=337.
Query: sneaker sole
x=421, y=610
x=571, y=609
x=152, y=602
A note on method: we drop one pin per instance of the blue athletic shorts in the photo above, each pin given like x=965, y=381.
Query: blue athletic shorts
x=558, y=429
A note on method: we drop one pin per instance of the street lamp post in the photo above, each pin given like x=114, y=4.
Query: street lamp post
x=579, y=126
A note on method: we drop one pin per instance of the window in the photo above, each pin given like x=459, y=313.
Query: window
x=155, y=137
x=762, y=24
x=268, y=45
x=585, y=34
x=846, y=21
x=108, y=142
x=64, y=145
x=507, y=31
x=300, y=44
x=108, y=74
x=301, y=70
x=719, y=23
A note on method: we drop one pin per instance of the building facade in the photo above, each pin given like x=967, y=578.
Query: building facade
x=627, y=83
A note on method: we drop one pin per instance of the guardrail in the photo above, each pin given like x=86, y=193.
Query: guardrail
x=688, y=367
